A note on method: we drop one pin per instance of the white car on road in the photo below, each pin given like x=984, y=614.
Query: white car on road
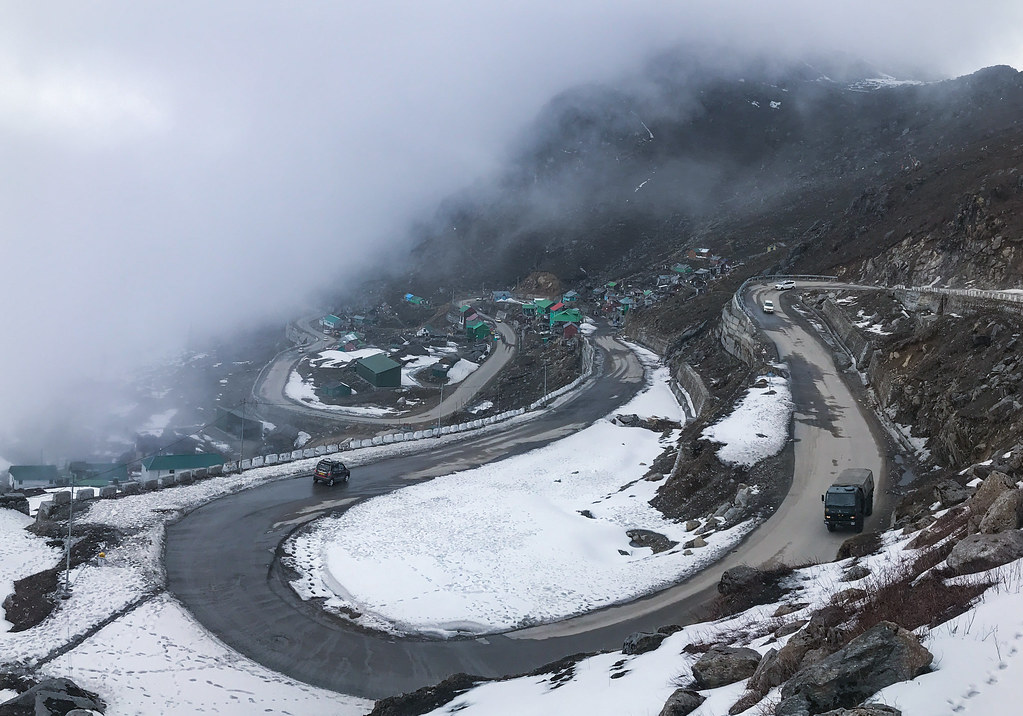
x=768, y=306
x=785, y=285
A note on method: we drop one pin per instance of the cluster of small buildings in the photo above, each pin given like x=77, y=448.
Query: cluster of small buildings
x=560, y=316
x=470, y=321
x=333, y=324
x=616, y=300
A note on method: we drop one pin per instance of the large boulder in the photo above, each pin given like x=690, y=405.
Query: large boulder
x=739, y=578
x=53, y=696
x=866, y=710
x=975, y=553
x=1004, y=514
x=682, y=702
x=993, y=485
x=820, y=636
x=950, y=493
x=642, y=642
x=860, y=545
x=883, y=655
x=725, y=665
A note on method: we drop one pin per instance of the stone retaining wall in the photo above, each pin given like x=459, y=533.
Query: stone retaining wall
x=859, y=347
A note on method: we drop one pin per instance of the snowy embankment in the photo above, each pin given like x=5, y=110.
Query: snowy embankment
x=21, y=553
x=531, y=539
x=977, y=667
x=304, y=391
x=758, y=427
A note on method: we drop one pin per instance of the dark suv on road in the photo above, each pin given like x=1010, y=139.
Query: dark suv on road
x=330, y=471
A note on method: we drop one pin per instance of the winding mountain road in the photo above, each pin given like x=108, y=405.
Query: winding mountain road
x=222, y=561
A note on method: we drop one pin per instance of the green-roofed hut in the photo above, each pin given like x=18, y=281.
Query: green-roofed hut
x=543, y=306
x=97, y=474
x=33, y=475
x=477, y=331
x=569, y=315
x=335, y=390
x=379, y=371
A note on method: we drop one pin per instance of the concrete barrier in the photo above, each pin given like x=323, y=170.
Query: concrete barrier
x=44, y=510
x=185, y=478
x=296, y=454
x=320, y=450
x=61, y=498
x=378, y=440
x=245, y=465
x=215, y=471
x=270, y=460
x=86, y=493
x=309, y=452
x=388, y=439
x=107, y=492
x=201, y=474
x=332, y=448
x=132, y=487
x=257, y=462
x=417, y=435
x=230, y=467
x=168, y=481
x=151, y=484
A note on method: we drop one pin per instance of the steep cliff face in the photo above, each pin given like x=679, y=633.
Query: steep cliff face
x=949, y=371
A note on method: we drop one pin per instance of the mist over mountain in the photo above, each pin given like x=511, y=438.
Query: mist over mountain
x=609, y=178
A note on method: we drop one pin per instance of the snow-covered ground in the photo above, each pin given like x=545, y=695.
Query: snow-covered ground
x=461, y=370
x=21, y=554
x=977, y=667
x=304, y=391
x=160, y=661
x=758, y=427
x=534, y=538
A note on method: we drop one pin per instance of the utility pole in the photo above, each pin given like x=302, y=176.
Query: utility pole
x=67, y=545
x=440, y=404
x=242, y=456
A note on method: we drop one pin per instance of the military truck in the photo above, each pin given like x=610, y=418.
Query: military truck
x=849, y=500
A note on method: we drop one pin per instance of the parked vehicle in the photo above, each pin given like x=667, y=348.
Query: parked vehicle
x=330, y=471
x=785, y=285
x=768, y=306
x=849, y=500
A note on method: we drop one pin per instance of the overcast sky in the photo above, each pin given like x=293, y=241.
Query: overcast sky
x=199, y=164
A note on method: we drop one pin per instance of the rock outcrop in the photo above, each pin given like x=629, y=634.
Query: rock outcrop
x=642, y=642
x=53, y=696
x=993, y=485
x=977, y=553
x=880, y=657
x=682, y=702
x=1004, y=514
x=725, y=665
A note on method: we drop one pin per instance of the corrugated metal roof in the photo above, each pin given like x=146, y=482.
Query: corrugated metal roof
x=378, y=363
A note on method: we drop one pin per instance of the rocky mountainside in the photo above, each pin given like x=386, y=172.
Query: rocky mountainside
x=611, y=179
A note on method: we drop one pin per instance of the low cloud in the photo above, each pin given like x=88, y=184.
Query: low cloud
x=180, y=169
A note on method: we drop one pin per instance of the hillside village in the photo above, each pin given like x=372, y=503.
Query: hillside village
x=398, y=358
